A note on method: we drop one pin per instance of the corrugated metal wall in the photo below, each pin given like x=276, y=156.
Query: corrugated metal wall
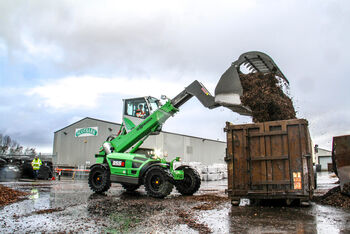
x=76, y=151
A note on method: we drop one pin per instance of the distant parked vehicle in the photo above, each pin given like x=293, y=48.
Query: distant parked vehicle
x=14, y=167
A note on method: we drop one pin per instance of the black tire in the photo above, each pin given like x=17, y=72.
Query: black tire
x=191, y=182
x=157, y=182
x=315, y=180
x=44, y=172
x=130, y=187
x=99, y=179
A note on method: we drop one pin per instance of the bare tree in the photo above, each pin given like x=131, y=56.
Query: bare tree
x=19, y=150
x=30, y=151
x=13, y=147
x=6, y=143
x=10, y=146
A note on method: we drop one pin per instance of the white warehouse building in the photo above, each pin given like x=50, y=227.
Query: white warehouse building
x=76, y=145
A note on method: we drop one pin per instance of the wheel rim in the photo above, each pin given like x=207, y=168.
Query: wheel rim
x=97, y=179
x=156, y=182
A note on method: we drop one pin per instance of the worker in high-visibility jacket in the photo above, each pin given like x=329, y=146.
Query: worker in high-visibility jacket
x=139, y=112
x=36, y=163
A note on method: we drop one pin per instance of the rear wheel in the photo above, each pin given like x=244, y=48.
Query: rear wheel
x=157, y=183
x=130, y=187
x=99, y=179
x=44, y=172
x=191, y=182
x=315, y=179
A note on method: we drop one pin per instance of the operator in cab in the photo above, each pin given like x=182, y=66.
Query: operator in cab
x=140, y=113
x=36, y=163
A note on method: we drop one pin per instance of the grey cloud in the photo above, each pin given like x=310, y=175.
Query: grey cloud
x=308, y=40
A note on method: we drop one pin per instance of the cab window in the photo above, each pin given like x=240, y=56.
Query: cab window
x=136, y=107
x=154, y=103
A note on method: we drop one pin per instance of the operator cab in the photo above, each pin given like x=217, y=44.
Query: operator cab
x=138, y=109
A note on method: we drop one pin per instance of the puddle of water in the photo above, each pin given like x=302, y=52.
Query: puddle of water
x=75, y=197
x=71, y=197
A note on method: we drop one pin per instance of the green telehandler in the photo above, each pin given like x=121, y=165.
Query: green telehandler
x=117, y=161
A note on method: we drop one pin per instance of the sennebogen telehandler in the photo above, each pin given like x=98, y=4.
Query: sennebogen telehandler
x=117, y=161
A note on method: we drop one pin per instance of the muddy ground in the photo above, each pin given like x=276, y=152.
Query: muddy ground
x=69, y=206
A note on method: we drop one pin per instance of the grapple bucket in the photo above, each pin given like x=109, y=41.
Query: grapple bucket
x=229, y=90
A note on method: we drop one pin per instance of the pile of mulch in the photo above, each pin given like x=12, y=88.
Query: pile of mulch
x=334, y=197
x=48, y=211
x=206, y=206
x=207, y=201
x=44, y=211
x=8, y=195
x=346, y=188
x=186, y=217
x=263, y=94
x=205, y=198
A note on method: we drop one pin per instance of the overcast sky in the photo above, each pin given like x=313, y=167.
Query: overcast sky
x=61, y=61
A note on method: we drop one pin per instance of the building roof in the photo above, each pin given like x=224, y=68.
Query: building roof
x=325, y=156
x=324, y=149
x=120, y=124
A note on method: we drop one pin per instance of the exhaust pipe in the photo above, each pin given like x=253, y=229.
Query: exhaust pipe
x=107, y=147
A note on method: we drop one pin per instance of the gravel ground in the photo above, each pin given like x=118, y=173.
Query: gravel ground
x=69, y=206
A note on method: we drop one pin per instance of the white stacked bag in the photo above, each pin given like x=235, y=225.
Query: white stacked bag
x=214, y=172
x=208, y=173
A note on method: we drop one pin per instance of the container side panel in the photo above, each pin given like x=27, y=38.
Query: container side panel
x=309, y=151
x=240, y=176
x=256, y=159
x=229, y=158
x=275, y=132
x=342, y=151
x=341, y=157
x=305, y=155
x=286, y=162
x=295, y=157
x=270, y=160
x=278, y=163
x=269, y=171
x=263, y=164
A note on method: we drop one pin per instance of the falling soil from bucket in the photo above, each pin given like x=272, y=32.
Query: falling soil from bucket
x=263, y=94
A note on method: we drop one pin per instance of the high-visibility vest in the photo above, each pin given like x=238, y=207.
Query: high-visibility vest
x=139, y=113
x=36, y=164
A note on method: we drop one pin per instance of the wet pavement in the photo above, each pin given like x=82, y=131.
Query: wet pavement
x=70, y=206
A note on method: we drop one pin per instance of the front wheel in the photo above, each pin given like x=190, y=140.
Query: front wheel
x=157, y=182
x=99, y=179
x=191, y=182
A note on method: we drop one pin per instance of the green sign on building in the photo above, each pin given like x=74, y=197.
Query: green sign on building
x=84, y=132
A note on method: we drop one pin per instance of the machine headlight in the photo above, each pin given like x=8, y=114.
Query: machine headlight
x=158, y=153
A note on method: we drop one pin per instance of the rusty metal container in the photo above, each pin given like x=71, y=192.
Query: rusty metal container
x=341, y=161
x=270, y=160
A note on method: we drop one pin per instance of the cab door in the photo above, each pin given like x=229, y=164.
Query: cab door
x=135, y=111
